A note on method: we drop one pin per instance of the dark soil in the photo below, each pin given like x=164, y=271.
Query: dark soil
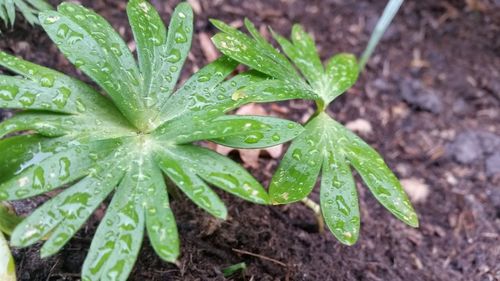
x=432, y=95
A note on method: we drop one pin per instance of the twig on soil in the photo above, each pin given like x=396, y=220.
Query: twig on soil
x=317, y=213
x=52, y=269
x=260, y=256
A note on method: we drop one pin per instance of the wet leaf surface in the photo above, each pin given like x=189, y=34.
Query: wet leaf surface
x=121, y=145
x=324, y=142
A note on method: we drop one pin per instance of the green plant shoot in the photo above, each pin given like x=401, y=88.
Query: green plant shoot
x=325, y=147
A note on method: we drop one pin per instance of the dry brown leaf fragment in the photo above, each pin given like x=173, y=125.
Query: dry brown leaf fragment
x=207, y=47
x=417, y=189
x=195, y=4
x=360, y=125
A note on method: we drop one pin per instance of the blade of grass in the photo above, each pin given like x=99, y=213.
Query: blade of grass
x=390, y=11
x=231, y=270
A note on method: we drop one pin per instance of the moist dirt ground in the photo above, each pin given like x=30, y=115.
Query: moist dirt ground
x=431, y=96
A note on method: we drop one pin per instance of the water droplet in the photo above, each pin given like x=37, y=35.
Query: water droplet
x=79, y=62
x=62, y=31
x=64, y=165
x=276, y=137
x=342, y=205
x=8, y=93
x=182, y=15
x=3, y=195
x=150, y=101
x=174, y=56
x=38, y=178
x=51, y=19
x=115, y=49
x=238, y=95
x=62, y=97
x=80, y=107
x=253, y=138
x=155, y=40
x=47, y=81
x=68, y=8
x=204, y=78
x=27, y=99
x=225, y=180
x=297, y=154
x=93, y=156
x=180, y=36
x=22, y=193
x=61, y=238
x=291, y=125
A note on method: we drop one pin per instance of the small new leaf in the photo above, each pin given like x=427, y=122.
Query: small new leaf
x=126, y=142
x=325, y=147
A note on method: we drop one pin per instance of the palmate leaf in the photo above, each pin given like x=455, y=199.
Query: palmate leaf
x=28, y=8
x=325, y=146
x=124, y=143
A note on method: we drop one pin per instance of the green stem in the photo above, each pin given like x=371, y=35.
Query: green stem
x=316, y=208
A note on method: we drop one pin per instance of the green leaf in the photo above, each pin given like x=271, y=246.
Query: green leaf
x=252, y=131
x=28, y=12
x=119, y=236
x=342, y=72
x=62, y=216
x=178, y=44
x=161, y=56
x=17, y=93
x=47, y=90
x=52, y=165
x=90, y=43
x=322, y=85
x=377, y=176
x=194, y=188
x=87, y=143
x=299, y=169
x=7, y=267
x=28, y=8
x=222, y=172
x=49, y=125
x=10, y=9
x=234, y=131
x=160, y=221
x=273, y=90
x=40, y=5
x=53, y=125
x=206, y=80
x=8, y=220
x=16, y=151
x=222, y=100
x=303, y=53
x=339, y=198
x=253, y=52
x=324, y=141
x=150, y=37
